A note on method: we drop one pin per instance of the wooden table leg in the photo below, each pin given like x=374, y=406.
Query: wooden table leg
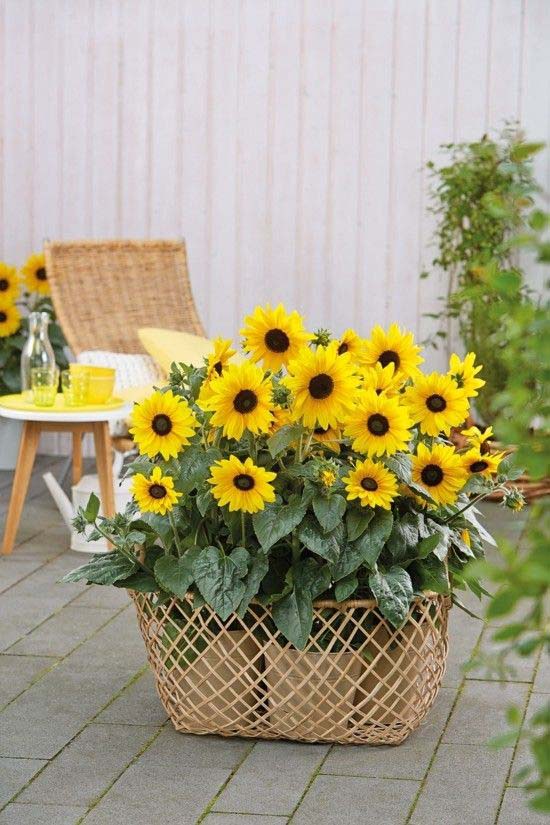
x=25, y=461
x=104, y=461
x=77, y=456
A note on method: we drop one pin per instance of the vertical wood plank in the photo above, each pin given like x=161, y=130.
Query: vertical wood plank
x=104, y=122
x=504, y=66
x=18, y=135
x=166, y=38
x=222, y=199
x=343, y=186
x=441, y=75
x=283, y=142
x=374, y=161
x=314, y=173
x=136, y=125
x=251, y=171
x=473, y=70
x=194, y=144
x=76, y=32
x=405, y=200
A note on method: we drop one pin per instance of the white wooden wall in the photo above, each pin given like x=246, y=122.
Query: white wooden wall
x=283, y=138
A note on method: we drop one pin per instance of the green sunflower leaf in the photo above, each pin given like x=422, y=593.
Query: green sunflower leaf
x=393, y=591
x=257, y=570
x=176, y=574
x=104, y=569
x=275, y=522
x=345, y=587
x=312, y=536
x=293, y=616
x=194, y=466
x=217, y=577
x=283, y=438
x=357, y=521
x=329, y=511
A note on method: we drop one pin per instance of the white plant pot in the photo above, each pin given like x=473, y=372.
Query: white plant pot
x=10, y=436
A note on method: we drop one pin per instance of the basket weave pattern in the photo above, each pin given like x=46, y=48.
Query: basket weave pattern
x=358, y=680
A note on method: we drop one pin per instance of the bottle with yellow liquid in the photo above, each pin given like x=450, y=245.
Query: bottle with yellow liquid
x=37, y=352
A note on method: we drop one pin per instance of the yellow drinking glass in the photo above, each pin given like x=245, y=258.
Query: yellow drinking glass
x=75, y=387
x=44, y=384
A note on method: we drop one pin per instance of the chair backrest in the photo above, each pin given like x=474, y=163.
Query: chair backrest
x=104, y=291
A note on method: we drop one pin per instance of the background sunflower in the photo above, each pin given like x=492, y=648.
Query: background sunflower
x=372, y=484
x=378, y=425
x=436, y=403
x=395, y=347
x=34, y=273
x=241, y=400
x=154, y=494
x=10, y=319
x=9, y=282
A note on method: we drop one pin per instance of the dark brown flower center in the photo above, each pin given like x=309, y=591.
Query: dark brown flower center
x=478, y=466
x=378, y=424
x=218, y=366
x=432, y=475
x=321, y=386
x=436, y=403
x=243, y=482
x=3, y=316
x=4, y=284
x=245, y=401
x=389, y=357
x=41, y=274
x=343, y=348
x=161, y=424
x=276, y=340
x=321, y=430
x=369, y=484
x=157, y=491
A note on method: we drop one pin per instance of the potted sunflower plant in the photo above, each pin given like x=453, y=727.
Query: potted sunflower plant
x=21, y=292
x=300, y=525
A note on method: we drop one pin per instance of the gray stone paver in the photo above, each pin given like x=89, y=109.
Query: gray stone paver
x=89, y=764
x=514, y=810
x=138, y=704
x=51, y=637
x=464, y=785
x=356, y=800
x=14, y=775
x=70, y=652
x=272, y=779
x=17, y=814
x=479, y=714
x=18, y=672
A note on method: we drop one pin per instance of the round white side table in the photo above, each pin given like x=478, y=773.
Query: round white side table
x=72, y=421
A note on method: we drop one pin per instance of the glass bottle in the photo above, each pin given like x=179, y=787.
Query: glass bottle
x=37, y=352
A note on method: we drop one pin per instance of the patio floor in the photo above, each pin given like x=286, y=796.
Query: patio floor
x=83, y=736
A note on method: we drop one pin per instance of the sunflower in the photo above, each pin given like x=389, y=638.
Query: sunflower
x=372, y=484
x=34, y=273
x=475, y=437
x=323, y=385
x=10, y=319
x=220, y=357
x=440, y=471
x=155, y=494
x=382, y=379
x=241, y=484
x=274, y=336
x=395, y=347
x=350, y=342
x=481, y=464
x=162, y=423
x=9, y=283
x=436, y=403
x=241, y=400
x=464, y=374
x=378, y=425
x=329, y=437
x=281, y=417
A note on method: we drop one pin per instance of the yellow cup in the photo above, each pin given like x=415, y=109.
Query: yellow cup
x=101, y=382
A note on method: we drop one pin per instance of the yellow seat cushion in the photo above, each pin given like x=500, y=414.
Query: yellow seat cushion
x=167, y=345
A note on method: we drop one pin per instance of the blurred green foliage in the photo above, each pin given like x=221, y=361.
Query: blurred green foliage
x=481, y=198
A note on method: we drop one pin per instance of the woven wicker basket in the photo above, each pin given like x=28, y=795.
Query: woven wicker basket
x=358, y=680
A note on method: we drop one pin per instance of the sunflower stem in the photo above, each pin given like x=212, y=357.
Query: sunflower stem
x=473, y=502
x=243, y=529
x=308, y=445
x=175, y=532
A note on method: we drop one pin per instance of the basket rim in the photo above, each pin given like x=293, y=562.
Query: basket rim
x=427, y=595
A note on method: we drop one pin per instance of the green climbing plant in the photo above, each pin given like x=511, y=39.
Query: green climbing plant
x=481, y=197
